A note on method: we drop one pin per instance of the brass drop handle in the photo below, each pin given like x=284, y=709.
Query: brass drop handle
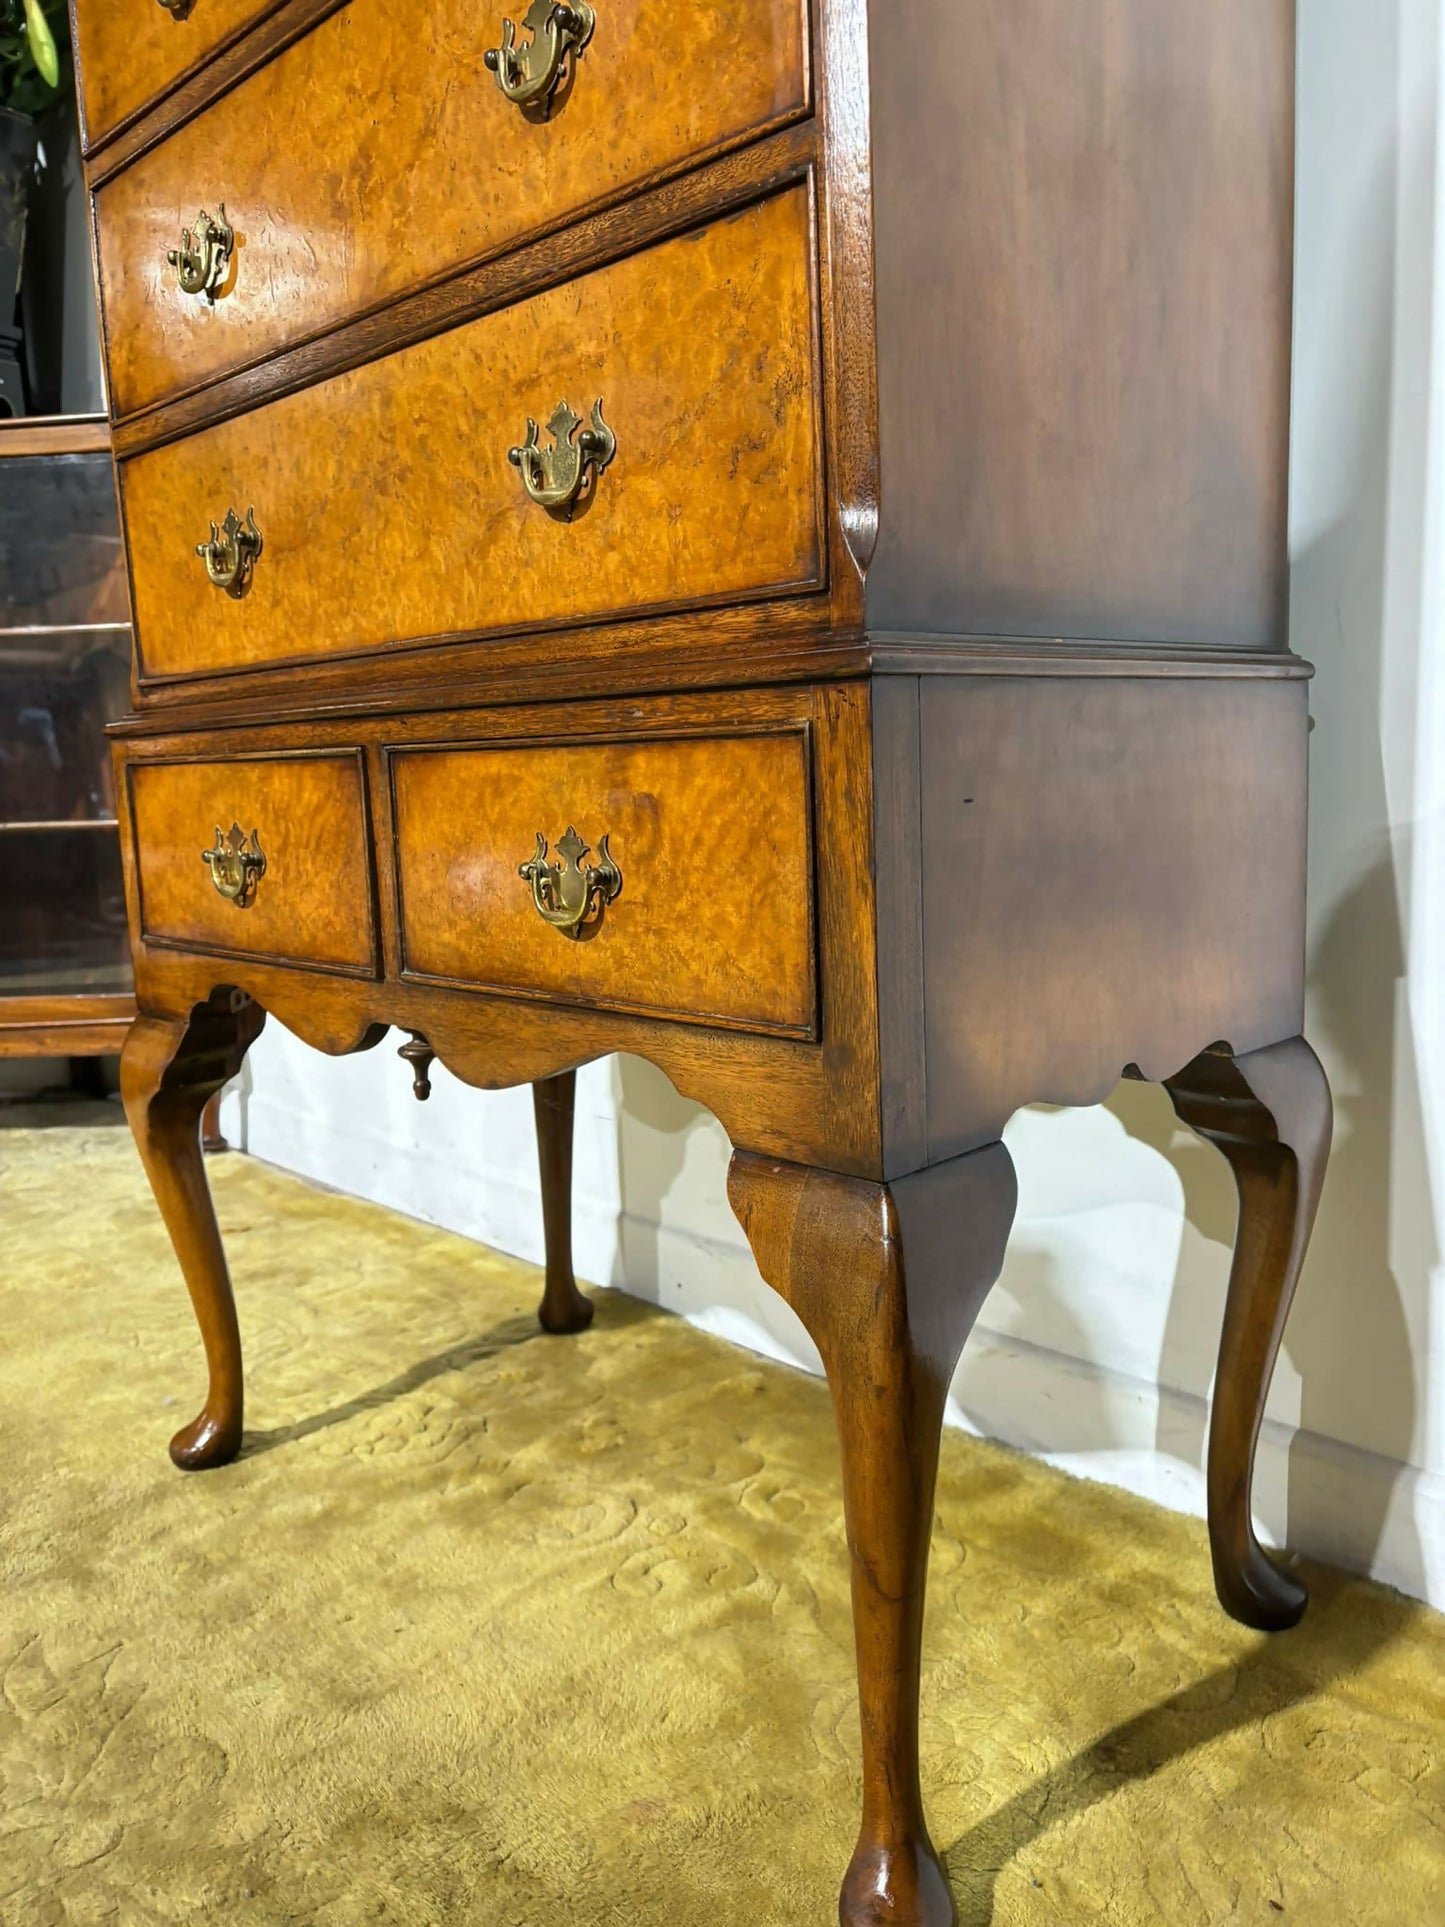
x=237, y=864
x=530, y=75
x=232, y=552
x=204, y=254
x=178, y=9
x=565, y=894
x=555, y=477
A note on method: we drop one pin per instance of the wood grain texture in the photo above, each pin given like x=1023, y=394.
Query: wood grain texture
x=83, y=1025
x=314, y=903
x=390, y=511
x=23, y=435
x=676, y=206
x=713, y=840
x=789, y=1097
x=1271, y=1115
x=1084, y=280
x=848, y=276
x=131, y=51
x=169, y=1070
x=898, y=842
x=888, y=1281
x=1112, y=873
x=377, y=155
x=564, y=1309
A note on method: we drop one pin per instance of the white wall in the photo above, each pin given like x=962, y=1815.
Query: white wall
x=1097, y=1348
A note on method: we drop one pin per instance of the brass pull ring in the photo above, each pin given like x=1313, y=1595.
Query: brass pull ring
x=530, y=75
x=555, y=477
x=178, y=9
x=231, y=553
x=204, y=254
x=566, y=895
x=236, y=865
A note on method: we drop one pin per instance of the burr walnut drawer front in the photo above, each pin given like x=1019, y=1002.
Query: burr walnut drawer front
x=264, y=856
x=444, y=491
x=132, y=51
x=671, y=877
x=379, y=153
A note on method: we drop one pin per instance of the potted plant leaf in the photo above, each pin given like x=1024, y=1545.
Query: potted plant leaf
x=34, y=73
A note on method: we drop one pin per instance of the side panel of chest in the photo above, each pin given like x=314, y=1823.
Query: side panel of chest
x=1083, y=232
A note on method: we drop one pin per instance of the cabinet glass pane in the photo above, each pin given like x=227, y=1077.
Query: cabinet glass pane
x=61, y=560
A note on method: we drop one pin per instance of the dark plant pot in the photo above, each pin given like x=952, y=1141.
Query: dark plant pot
x=18, y=140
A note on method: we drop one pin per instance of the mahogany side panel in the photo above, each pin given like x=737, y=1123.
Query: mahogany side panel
x=389, y=509
x=1084, y=221
x=1112, y=873
x=377, y=155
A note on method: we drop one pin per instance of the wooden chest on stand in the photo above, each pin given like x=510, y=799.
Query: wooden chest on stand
x=751, y=534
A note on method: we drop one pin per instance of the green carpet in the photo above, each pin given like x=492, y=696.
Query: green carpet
x=493, y=1628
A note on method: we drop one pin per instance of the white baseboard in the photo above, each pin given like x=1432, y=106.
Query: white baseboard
x=499, y=1208
x=1323, y=1498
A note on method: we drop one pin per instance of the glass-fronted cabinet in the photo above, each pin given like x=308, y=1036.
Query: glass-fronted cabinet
x=65, y=978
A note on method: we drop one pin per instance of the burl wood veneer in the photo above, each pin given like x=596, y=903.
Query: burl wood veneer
x=870, y=700
x=704, y=355
x=134, y=53
x=742, y=956
x=382, y=90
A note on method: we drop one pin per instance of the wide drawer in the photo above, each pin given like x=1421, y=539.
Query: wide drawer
x=306, y=815
x=388, y=508
x=698, y=905
x=378, y=153
x=131, y=51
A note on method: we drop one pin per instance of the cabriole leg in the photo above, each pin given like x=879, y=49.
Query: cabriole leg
x=888, y=1280
x=169, y=1068
x=563, y=1308
x=1270, y=1114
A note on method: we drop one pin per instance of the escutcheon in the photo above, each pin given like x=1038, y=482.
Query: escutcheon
x=237, y=864
x=530, y=75
x=565, y=895
x=231, y=553
x=204, y=254
x=555, y=477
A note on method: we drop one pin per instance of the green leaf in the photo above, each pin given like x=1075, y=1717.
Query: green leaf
x=42, y=44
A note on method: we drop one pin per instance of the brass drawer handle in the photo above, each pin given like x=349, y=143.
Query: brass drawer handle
x=232, y=552
x=236, y=865
x=555, y=477
x=529, y=76
x=204, y=255
x=178, y=9
x=566, y=895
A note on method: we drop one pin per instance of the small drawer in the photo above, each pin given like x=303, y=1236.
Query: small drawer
x=694, y=901
x=378, y=153
x=391, y=502
x=132, y=51
x=265, y=856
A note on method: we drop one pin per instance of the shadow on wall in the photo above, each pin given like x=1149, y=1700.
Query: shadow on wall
x=1367, y=355
x=679, y=1244
x=1077, y=1354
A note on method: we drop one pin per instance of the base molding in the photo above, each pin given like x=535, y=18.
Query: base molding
x=1326, y=1498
